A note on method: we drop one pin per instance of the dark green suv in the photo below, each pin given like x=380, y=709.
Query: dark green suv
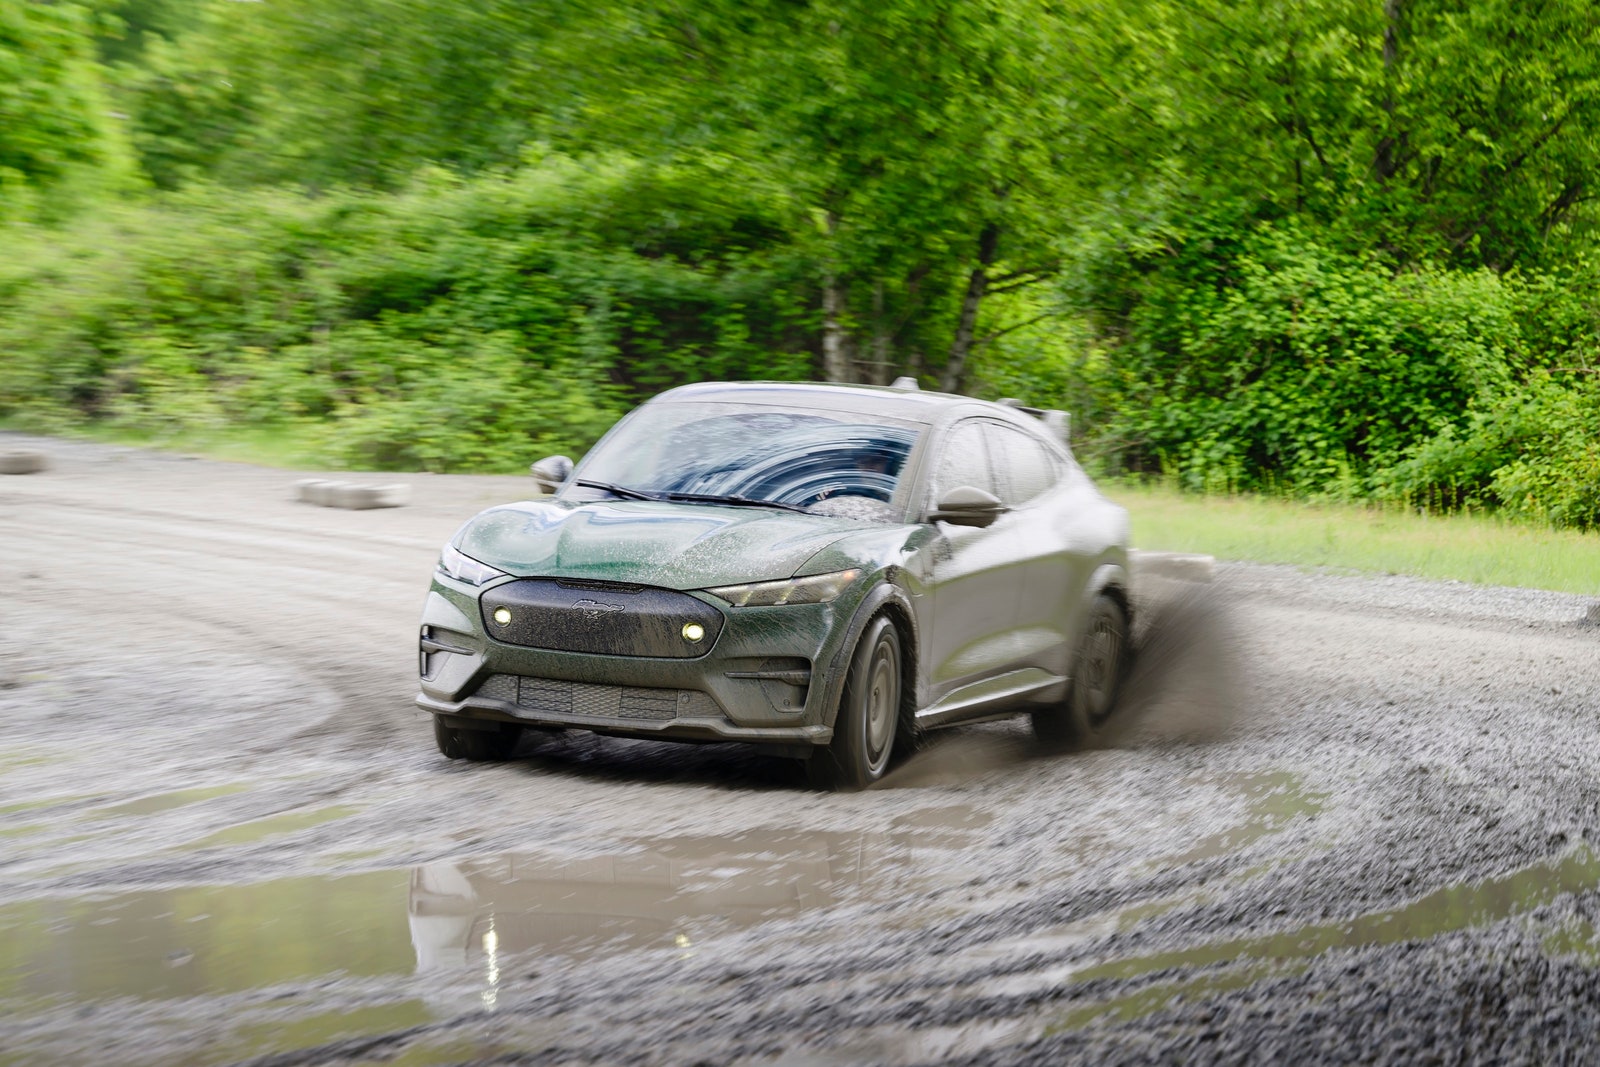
x=825, y=571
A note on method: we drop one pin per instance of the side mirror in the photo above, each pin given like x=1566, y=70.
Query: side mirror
x=549, y=473
x=966, y=505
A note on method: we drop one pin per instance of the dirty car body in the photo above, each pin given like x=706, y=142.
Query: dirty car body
x=825, y=571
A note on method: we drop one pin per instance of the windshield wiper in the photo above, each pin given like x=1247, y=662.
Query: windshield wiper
x=741, y=501
x=619, y=490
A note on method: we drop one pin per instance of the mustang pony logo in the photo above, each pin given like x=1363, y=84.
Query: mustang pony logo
x=593, y=609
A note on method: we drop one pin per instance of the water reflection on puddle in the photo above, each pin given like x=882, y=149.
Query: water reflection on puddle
x=669, y=893
x=658, y=896
x=203, y=939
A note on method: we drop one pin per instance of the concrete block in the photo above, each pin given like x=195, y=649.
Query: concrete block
x=317, y=491
x=1179, y=566
x=23, y=461
x=351, y=495
x=362, y=497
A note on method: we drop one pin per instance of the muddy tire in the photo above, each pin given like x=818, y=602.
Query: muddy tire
x=477, y=745
x=1098, y=671
x=868, y=722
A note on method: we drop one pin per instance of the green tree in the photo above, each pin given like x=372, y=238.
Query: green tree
x=126, y=27
x=58, y=141
x=1424, y=128
x=913, y=141
x=319, y=93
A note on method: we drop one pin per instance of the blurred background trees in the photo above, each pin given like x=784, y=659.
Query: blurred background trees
x=1324, y=247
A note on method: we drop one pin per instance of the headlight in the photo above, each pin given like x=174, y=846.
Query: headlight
x=464, y=568
x=814, y=589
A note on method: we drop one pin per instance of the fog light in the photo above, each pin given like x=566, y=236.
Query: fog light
x=693, y=631
x=502, y=615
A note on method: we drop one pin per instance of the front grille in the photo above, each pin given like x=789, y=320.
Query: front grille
x=612, y=620
x=499, y=687
x=549, y=696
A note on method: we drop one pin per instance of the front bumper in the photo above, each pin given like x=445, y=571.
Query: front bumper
x=762, y=681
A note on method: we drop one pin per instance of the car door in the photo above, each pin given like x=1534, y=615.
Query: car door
x=974, y=580
x=1050, y=500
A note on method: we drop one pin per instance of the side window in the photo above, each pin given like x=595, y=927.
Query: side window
x=963, y=460
x=1025, y=466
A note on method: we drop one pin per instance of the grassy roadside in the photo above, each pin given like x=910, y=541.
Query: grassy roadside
x=289, y=447
x=1472, y=548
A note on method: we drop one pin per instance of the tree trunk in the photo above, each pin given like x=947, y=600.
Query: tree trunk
x=878, y=357
x=835, y=344
x=835, y=350
x=1391, y=147
x=955, y=367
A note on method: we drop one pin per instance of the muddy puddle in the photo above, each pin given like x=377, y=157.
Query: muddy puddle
x=203, y=939
x=447, y=916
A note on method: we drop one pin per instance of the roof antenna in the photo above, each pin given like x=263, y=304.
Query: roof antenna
x=906, y=384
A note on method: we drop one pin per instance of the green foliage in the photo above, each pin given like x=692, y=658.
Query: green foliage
x=57, y=143
x=457, y=325
x=1458, y=132
x=473, y=401
x=1337, y=248
x=361, y=92
x=1534, y=454
x=1268, y=360
x=125, y=28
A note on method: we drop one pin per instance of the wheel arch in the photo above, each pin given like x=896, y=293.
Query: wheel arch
x=885, y=598
x=1110, y=579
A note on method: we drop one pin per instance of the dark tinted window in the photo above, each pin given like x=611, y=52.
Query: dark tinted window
x=790, y=456
x=963, y=460
x=1024, y=465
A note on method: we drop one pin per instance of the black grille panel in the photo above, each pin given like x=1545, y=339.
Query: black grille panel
x=552, y=697
x=607, y=620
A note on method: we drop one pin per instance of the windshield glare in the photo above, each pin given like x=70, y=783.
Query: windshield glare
x=825, y=462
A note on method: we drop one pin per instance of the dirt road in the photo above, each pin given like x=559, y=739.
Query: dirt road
x=1341, y=819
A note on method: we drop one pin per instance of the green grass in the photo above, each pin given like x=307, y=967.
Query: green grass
x=1472, y=548
x=292, y=447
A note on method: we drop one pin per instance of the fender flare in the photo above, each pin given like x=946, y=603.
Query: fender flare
x=886, y=593
x=1109, y=575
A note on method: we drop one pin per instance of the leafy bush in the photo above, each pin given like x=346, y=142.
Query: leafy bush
x=1534, y=454
x=1269, y=360
x=462, y=324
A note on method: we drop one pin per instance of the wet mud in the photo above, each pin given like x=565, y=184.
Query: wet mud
x=1335, y=819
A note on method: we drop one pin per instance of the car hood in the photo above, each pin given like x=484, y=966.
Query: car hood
x=671, y=545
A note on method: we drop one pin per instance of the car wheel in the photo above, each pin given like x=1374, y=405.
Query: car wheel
x=869, y=714
x=1097, y=674
x=479, y=745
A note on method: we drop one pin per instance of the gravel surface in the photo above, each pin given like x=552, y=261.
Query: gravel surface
x=1338, y=819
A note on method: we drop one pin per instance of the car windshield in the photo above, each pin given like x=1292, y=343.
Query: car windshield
x=826, y=462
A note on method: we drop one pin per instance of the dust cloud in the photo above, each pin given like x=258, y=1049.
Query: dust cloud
x=1187, y=682
x=1184, y=686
